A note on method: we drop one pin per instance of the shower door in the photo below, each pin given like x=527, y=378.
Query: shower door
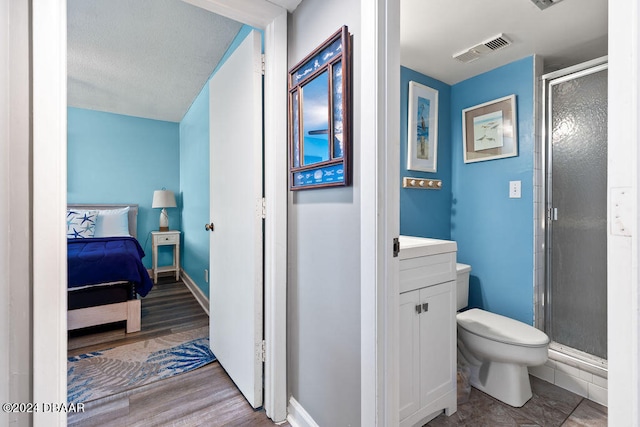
x=576, y=309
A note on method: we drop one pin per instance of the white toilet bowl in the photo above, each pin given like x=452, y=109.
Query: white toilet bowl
x=497, y=349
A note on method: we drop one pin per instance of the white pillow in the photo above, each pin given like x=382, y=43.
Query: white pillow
x=112, y=223
x=81, y=224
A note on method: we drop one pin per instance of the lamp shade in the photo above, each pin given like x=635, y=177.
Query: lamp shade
x=163, y=199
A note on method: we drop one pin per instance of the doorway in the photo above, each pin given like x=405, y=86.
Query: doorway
x=49, y=198
x=576, y=177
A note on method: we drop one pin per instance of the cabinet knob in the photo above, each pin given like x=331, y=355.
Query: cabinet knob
x=418, y=309
x=208, y=227
x=425, y=306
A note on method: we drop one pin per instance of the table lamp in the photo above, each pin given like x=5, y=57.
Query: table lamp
x=164, y=199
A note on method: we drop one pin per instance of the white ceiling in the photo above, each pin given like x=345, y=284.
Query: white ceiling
x=150, y=58
x=432, y=31
x=144, y=58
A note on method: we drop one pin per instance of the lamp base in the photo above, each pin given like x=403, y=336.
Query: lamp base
x=164, y=220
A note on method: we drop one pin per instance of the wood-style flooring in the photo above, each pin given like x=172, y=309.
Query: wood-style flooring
x=203, y=397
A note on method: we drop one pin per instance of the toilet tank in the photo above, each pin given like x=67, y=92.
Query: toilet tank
x=462, y=285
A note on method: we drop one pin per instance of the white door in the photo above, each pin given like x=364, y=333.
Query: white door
x=236, y=291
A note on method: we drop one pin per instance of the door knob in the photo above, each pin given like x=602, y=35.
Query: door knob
x=208, y=227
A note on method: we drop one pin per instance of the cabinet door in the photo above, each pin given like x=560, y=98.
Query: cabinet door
x=409, y=353
x=437, y=342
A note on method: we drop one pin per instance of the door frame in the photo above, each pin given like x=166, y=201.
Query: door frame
x=379, y=212
x=50, y=198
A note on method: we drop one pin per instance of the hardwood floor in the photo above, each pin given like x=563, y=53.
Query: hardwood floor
x=202, y=397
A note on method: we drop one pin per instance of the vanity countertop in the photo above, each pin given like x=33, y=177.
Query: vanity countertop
x=413, y=247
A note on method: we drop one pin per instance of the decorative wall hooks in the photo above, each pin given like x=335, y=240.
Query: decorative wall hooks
x=421, y=183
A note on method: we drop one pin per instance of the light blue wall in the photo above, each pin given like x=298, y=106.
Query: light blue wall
x=121, y=159
x=426, y=213
x=495, y=233
x=194, y=188
x=194, y=178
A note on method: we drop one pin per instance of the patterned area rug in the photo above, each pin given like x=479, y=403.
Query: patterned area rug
x=102, y=373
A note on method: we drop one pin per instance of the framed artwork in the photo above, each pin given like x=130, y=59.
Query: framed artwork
x=489, y=130
x=422, y=133
x=320, y=116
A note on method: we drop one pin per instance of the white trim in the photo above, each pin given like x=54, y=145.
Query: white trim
x=379, y=216
x=276, y=199
x=196, y=291
x=623, y=322
x=298, y=417
x=49, y=97
x=5, y=276
x=49, y=31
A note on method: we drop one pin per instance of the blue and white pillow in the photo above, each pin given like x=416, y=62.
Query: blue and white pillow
x=81, y=224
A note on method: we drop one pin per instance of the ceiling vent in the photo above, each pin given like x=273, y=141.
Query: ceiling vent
x=543, y=4
x=495, y=43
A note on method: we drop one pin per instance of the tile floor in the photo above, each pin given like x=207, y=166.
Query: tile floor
x=549, y=406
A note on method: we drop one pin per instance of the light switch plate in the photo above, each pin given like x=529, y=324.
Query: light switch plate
x=515, y=189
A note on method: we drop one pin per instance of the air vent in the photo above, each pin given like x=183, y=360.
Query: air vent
x=498, y=42
x=543, y=4
x=495, y=43
x=466, y=56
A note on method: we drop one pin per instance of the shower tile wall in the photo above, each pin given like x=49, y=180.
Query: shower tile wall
x=581, y=382
x=538, y=197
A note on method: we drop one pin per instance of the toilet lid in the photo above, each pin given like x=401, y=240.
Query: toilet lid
x=502, y=329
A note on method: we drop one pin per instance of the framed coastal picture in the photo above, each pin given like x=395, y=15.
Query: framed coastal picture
x=489, y=130
x=422, y=133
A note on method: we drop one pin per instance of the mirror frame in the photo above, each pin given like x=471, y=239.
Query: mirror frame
x=335, y=171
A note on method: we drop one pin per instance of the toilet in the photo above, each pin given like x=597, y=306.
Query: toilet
x=497, y=349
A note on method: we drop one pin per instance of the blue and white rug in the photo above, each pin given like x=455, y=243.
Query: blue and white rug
x=102, y=373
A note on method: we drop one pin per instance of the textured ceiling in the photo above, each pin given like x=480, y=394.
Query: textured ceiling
x=150, y=58
x=432, y=31
x=144, y=58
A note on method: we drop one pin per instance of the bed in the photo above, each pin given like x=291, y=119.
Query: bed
x=105, y=270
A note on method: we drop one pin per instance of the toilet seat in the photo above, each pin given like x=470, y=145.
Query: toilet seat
x=501, y=329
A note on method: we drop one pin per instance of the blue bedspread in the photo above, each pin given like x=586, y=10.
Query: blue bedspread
x=107, y=259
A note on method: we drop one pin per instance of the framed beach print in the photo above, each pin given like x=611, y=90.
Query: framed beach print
x=422, y=133
x=320, y=116
x=489, y=130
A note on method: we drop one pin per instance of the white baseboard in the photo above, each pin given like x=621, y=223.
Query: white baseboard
x=196, y=291
x=298, y=417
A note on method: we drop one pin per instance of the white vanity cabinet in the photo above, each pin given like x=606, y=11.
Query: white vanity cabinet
x=427, y=329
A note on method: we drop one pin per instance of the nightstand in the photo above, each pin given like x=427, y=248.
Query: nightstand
x=166, y=238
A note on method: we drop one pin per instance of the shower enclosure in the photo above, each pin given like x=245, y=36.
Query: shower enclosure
x=575, y=296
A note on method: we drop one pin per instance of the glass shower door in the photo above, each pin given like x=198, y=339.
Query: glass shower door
x=577, y=211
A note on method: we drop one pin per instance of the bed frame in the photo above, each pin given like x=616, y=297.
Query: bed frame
x=128, y=310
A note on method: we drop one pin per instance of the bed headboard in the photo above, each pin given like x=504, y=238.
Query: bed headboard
x=133, y=213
